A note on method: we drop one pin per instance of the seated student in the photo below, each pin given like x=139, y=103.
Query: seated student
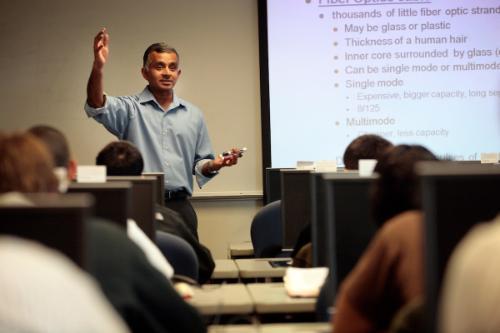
x=123, y=158
x=389, y=275
x=368, y=146
x=69, y=296
x=142, y=295
x=471, y=289
x=66, y=170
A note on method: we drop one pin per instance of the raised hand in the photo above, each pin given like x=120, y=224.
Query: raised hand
x=101, y=48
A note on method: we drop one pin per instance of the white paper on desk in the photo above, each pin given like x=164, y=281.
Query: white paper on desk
x=91, y=174
x=304, y=282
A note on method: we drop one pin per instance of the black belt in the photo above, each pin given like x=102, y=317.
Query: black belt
x=176, y=195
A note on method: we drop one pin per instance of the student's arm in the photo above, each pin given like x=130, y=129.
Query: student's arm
x=95, y=90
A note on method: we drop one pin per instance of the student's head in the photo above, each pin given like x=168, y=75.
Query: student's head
x=160, y=67
x=58, y=146
x=121, y=158
x=368, y=146
x=25, y=165
x=395, y=190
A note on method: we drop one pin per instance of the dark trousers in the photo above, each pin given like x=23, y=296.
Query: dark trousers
x=185, y=209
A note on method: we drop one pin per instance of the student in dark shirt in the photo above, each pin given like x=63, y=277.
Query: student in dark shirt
x=123, y=158
x=144, y=298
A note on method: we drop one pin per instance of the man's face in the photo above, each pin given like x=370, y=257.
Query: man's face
x=162, y=71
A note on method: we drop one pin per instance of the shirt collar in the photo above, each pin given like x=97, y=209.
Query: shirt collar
x=146, y=96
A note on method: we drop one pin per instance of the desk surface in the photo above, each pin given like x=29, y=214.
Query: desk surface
x=273, y=328
x=272, y=298
x=260, y=268
x=212, y=299
x=243, y=249
x=225, y=269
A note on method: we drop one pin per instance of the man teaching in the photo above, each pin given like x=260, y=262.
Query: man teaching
x=170, y=132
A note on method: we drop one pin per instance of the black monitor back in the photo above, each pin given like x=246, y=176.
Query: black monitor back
x=295, y=204
x=350, y=226
x=160, y=185
x=112, y=200
x=455, y=196
x=273, y=184
x=142, y=208
x=319, y=226
x=55, y=220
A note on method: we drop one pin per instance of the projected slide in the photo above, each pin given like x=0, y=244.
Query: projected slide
x=424, y=72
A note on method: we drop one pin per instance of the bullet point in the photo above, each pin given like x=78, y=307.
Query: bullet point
x=336, y=71
x=337, y=123
x=347, y=110
x=335, y=58
x=336, y=85
x=308, y=1
x=321, y=16
x=335, y=43
x=335, y=29
x=347, y=97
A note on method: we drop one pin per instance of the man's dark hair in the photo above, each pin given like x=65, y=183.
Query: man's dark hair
x=55, y=141
x=121, y=158
x=396, y=188
x=160, y=48
x=368, y=146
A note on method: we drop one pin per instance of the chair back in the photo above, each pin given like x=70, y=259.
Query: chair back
x=266, y=231
x=179, y=254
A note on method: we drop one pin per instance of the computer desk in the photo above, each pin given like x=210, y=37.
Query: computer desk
x=219, y=299
x=260, y=268
x=240, y=250
x=225, y=269
x=272, y=298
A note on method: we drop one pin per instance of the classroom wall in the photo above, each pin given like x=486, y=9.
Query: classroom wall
x=46, y=58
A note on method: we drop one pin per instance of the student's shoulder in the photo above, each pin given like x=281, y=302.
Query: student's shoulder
x=403, y=223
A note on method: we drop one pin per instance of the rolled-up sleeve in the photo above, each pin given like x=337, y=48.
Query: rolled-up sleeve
x=114, y=115
x=201, y=179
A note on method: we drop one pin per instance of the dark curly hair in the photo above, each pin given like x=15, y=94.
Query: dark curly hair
x=368, y=146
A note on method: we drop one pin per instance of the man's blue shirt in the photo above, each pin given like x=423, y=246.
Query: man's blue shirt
x=174, y=141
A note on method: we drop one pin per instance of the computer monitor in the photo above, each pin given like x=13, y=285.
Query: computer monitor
x=349, y=223
x=319, y=229
x=295, y=204
x=160, y=188
x=112, y=199
x=273, y=184
x=143, y=202
x=455, y=196
x=55, y=220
